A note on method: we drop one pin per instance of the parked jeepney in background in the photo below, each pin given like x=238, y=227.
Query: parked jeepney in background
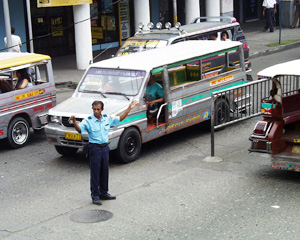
x=22, y=109
x=201, y=28
x=278, y=133
x=180, y=71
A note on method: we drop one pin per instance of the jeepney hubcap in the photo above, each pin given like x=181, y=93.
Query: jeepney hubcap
x=20, y=132
x=130, y=145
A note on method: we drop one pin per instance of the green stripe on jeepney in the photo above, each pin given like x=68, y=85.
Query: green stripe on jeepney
x=157, y=70
x=134, y=118
x=232, y=85
x=268, y=105
x=161, y=69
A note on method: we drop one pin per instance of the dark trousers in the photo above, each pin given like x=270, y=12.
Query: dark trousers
x=99, y=160
x=269, y=19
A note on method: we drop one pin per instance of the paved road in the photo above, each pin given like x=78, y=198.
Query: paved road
x=169, y=193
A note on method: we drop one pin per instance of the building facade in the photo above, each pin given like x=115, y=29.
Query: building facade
x=113, y=21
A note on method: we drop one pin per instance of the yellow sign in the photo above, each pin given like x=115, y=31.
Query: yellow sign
x=30, y=94
x=60, y=3
x=97, y=32
x=57, y=27
x=73, y=136
x=221, y=80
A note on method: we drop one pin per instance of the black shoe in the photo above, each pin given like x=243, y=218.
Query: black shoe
x=107, y=196
x=271, y=30
x=97, y=201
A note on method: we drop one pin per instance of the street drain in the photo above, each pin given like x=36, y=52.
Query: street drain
x=91, y=216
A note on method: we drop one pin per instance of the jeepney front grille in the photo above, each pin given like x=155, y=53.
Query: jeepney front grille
x=73, y=143
x=65, y=121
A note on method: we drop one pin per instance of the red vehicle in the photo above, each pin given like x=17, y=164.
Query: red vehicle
x=278, y=133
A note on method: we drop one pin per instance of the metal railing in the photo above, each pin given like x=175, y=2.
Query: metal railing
x=237, y=104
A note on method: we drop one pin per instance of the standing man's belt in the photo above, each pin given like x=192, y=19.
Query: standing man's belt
x=100, y=145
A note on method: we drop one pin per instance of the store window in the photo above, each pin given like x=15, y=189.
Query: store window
x=104, y=21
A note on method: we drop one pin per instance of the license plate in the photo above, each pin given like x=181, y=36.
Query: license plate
x=73, y=136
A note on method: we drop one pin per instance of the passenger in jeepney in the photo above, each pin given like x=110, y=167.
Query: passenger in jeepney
x=24, y=79
x=225, y=36
x=213, y=36
x=157, y=98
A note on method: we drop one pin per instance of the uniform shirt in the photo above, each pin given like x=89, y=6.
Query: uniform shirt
x=98, y=130
x=269, y=3
x=156, y=91
x=16, y=43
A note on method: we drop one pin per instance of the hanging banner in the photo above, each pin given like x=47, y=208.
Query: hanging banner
x=60, y=3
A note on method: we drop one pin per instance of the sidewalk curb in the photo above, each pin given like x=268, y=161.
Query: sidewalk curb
x=274, y=50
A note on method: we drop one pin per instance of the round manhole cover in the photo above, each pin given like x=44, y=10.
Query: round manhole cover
x=91, y=216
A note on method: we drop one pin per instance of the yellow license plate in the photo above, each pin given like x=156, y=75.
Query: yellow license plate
x=73, y=136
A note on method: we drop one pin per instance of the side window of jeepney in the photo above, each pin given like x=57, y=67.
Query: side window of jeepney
x=183, y=73
x=219, y=63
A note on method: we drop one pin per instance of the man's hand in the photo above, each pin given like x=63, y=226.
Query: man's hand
x=72, y=118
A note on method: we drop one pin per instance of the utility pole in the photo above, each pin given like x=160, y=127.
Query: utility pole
x=29, y=26
x=7, y=25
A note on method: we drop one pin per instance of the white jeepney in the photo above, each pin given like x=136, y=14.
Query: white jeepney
x=26, y=108
x=184, y=72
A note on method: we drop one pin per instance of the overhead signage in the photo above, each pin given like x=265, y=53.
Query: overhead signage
x=61, y=3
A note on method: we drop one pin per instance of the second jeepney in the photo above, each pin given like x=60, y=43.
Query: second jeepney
x=183, y=70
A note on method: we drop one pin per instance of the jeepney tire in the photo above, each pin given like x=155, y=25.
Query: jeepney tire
x=129, y=146
x=65, y=151
x=221, y=105
x=18, y=132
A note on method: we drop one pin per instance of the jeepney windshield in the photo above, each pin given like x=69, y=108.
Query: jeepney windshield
x=133, y=46
x=112, y=81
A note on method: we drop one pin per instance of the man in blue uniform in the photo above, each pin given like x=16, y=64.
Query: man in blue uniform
x=98, y=126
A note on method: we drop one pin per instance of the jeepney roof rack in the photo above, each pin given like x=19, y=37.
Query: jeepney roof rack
x=159, y=27
x=210, y=19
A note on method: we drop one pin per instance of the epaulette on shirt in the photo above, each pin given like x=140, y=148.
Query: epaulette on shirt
x=90, y=117
x=104, y=115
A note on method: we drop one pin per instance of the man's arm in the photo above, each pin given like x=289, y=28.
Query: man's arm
x=72, y=118
x=125, y=113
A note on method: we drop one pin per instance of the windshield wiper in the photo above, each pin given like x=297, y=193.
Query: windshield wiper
x=118, y=93
x=95, y=91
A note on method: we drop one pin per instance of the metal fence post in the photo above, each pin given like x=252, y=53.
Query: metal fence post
x=212, y=126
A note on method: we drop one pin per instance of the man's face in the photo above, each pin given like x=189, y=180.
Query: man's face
x=97, y=109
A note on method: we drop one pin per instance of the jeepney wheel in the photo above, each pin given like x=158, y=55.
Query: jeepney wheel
x=65, y=151
x=130, y=145
x=18, y=132
x=222, y=111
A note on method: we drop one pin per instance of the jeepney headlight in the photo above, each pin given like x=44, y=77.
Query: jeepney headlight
x=141, y=26
x=150, y=25
x=178, y=25
x=53, y=119
x=168, y=25
x=159, y=25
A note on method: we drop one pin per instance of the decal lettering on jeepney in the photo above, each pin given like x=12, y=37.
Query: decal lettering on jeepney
x=174, y=126
x=221, y=80
x=30, y=94
x=42, y=107
x=192, y=119
x=176, y=107
x=1, y=132
x=296, y=140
